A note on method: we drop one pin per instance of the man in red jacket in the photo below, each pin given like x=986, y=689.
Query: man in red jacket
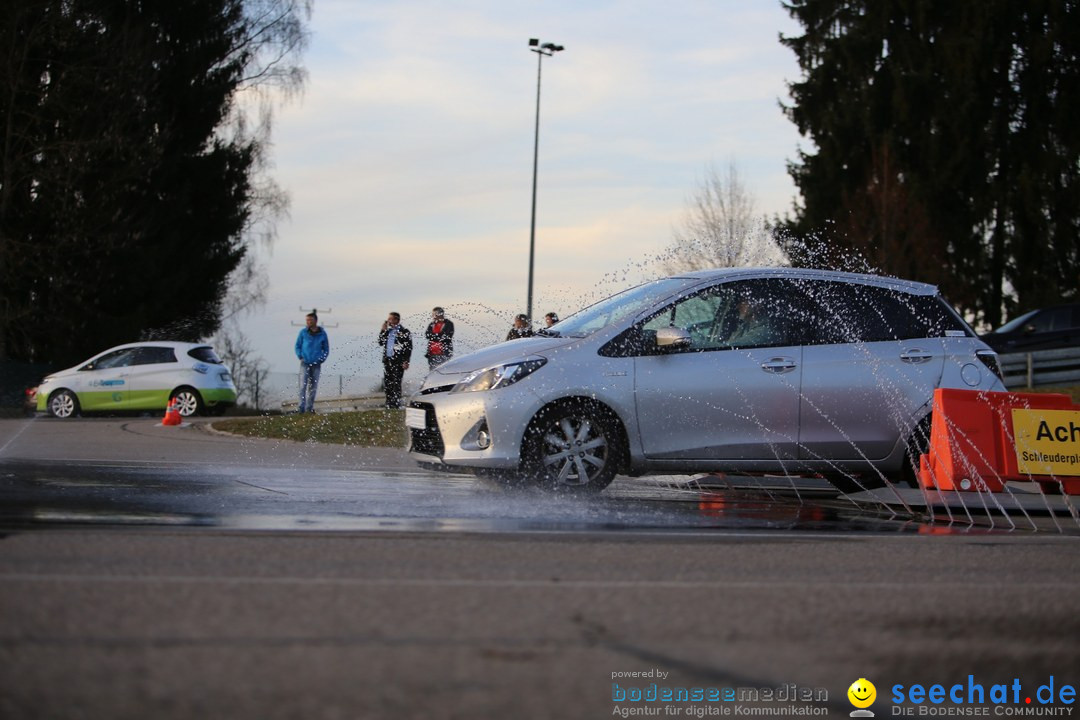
x=440, y=338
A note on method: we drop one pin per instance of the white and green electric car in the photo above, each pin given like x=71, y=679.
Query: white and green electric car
x=141, y=376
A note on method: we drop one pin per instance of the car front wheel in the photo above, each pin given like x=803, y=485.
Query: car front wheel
x=188, y=401
x=574, y=447
x=63, y=404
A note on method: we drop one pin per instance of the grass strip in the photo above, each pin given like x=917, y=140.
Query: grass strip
x=365, y=428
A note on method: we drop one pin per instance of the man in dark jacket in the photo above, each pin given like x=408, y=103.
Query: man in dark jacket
x=396, y=344
x=440, y=339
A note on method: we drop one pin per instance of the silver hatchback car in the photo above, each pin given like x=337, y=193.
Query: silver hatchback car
x=778, y=371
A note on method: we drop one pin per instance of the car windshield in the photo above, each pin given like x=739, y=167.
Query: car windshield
x=616, y=308
x=1016, y=322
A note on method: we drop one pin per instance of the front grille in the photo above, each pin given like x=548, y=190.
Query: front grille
x=429, y=440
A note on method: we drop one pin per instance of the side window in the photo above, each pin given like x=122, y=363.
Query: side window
x=933, y=317
x=846, y=316
x=1056, y=319
x=747, y=314
x=116, y=359
x=155, y=356
x=698, y=315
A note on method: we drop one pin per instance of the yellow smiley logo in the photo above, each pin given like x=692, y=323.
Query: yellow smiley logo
x=862, y=693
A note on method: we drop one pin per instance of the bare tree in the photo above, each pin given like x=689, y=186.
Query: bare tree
x=721, y=228
x=249, y=370
x=275, y=37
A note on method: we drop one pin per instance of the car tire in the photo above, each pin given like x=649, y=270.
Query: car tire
x=189, y=401
x=63, y=404
x=852, y=484
x=918, y=444
x=573, y=446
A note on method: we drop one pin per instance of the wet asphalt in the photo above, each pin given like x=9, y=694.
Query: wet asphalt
x=177, y=573
x=136, y=472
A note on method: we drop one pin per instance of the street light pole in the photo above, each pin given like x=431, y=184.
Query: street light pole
x=547, y=49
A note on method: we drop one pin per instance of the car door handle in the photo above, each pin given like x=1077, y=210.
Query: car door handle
x=916, y=357
x=778, y=365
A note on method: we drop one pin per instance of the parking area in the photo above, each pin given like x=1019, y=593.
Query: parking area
x=386, y=592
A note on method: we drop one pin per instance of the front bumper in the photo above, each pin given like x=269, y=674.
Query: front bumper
x=454, y=423
x=219, y=396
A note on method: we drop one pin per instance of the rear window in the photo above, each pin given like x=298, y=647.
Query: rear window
x=205, y=354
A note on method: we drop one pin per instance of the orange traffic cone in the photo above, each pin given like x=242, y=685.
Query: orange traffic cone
x=172, y=413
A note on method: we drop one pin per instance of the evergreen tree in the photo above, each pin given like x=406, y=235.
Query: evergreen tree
x=126, y=188
x=941, y=148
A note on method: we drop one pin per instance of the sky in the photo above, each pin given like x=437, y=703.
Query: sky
x=408, y=158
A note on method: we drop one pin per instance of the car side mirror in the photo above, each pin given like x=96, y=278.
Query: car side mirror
x=672, y=338
x=1029, y=329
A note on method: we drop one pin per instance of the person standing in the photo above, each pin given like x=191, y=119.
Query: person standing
x=521, y=329
x=440, y=338
x=396, y=344
x=312, y=349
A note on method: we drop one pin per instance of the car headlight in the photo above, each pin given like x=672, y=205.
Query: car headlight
x=499, y=376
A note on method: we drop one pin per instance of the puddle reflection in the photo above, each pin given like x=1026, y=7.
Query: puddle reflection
x=283, y=499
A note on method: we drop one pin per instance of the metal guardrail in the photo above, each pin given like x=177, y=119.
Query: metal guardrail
x=341, y=403
x=345, y=403
x=1042, y=367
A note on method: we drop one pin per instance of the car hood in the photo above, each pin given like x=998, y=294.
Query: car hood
x=505, y=352
x=64, y=373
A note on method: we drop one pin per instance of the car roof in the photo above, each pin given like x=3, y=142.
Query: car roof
x=183, y=346
x=908, y=286
x=1056, y=307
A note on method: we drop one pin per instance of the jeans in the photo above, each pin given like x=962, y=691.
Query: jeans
x=309, y=383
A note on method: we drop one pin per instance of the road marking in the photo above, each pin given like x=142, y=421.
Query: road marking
x=15, y=437
x=512, y=583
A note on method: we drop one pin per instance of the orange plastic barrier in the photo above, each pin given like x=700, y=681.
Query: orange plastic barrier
x=974, y=446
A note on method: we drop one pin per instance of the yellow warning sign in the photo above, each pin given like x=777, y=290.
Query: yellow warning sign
x=1047, y=441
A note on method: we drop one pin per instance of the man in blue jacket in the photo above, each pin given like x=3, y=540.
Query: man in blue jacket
x=312, y=348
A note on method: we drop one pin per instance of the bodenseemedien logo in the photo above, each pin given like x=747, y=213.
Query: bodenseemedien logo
x=862, y=694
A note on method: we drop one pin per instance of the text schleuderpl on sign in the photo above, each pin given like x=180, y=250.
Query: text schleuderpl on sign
x=1047, y=441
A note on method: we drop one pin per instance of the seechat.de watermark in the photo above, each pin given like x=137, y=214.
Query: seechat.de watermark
x=972, y=698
